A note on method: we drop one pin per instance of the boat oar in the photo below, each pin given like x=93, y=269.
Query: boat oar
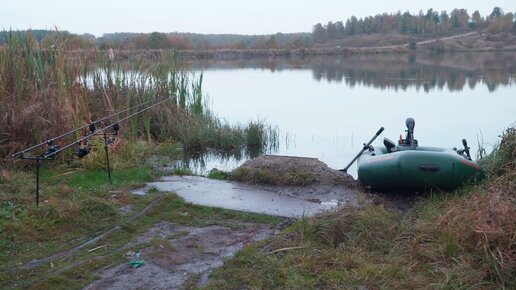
x=345, y=169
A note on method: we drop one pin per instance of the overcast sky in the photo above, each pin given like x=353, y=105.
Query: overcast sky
x=205, y=16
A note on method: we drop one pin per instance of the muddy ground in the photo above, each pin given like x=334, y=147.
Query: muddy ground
x=175, y=256
x=178, y=253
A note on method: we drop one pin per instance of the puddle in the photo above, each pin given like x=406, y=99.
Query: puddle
x=238, y=196
x=332, y=202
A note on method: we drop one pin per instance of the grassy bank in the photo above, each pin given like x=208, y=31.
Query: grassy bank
x=459, y=240
x=77, y=204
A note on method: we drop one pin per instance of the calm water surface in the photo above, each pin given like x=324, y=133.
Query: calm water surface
x=327, y=107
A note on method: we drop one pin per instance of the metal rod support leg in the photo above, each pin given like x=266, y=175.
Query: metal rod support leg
x=107, y=156
x=38, y=165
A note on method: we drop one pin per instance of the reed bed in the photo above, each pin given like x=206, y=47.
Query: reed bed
x=47, y=91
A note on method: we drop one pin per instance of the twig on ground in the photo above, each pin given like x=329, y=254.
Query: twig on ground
x=285, y=249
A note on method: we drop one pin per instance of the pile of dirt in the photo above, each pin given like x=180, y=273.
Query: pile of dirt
x=301, y=177
x=291, y=171
x=326, y=185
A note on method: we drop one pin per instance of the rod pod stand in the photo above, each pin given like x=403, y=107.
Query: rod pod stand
x=107, y=156
x=38, y=160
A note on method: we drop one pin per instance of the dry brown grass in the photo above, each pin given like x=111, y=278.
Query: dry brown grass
x=460, y=240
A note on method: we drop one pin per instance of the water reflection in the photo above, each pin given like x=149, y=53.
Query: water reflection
x=326, y=107
x=424, y=72
x=202, y=163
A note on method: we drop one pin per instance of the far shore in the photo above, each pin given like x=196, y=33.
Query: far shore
x=364, y=44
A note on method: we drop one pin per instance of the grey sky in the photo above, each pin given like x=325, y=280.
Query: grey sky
x=204, y=16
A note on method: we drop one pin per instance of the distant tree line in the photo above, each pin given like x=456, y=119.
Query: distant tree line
x=158, y=40
x=48, y=38
x=430, y=23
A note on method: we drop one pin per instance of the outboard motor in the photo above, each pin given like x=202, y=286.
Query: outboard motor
x=410, y=133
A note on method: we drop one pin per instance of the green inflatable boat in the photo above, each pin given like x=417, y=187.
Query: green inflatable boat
x=407, y=166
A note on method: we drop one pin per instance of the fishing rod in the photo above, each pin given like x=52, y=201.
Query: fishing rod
x=91, y=127
x=54, y=150
x=114, y=124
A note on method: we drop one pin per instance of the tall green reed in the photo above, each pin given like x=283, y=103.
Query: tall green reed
x=46, y=91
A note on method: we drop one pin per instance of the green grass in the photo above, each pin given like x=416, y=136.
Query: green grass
x=462, y=239
x=98, y=179
x=32, y=232
x=218, y=174
x=77, y=204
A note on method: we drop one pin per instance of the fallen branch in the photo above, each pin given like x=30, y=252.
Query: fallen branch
x=285, y=249
x=99, y=247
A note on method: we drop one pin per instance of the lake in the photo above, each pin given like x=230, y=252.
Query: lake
x=326, y=107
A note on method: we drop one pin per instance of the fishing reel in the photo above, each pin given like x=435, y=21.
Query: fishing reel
x=51, y=151
x=92, y=127
x=82, y=151
x=85, y=149
x=116, y=128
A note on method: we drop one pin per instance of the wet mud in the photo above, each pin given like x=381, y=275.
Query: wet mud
x=179, y=253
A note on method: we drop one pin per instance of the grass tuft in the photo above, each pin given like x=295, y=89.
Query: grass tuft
x=267, y=176
x=219, y=174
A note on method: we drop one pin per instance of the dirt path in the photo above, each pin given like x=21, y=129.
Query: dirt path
x=426, y=41
x=179, y=255
x=448, y=37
